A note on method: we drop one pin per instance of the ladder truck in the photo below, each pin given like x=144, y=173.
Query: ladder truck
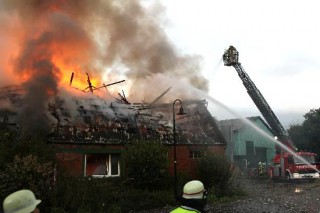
x=285, y=163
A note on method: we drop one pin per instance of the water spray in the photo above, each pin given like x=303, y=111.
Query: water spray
x=263, y=133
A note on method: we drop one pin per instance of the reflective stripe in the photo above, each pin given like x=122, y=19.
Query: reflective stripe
x=184, y=210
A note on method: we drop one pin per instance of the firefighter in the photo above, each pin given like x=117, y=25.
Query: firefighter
x=260, y=168
x=22, y=201
x=193, y=199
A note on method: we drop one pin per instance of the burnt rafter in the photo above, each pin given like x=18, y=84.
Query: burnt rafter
x=91, y=87
x=98, y=121
x=105, y=124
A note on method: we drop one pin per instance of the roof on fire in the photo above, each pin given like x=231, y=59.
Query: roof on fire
x=94, y=120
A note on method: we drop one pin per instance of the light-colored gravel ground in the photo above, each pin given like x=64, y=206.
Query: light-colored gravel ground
x=280, y=197
x=298, y=196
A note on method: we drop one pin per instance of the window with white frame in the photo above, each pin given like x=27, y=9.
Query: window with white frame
x=102, y=165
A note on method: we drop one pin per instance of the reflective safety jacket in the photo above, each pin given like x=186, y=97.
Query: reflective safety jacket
x=184, y=209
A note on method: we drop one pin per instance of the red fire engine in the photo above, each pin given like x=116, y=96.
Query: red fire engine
x=287, y=163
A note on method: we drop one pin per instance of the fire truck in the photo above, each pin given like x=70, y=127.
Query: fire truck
x=287, y=162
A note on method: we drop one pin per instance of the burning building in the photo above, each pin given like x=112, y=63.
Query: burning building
x=45, y=42
x=90, y=132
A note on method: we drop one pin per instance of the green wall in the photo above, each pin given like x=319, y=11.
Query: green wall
x=239, y=132
x=248, y=133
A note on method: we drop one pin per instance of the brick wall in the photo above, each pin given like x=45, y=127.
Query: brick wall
x=185, y=163
x=71, y=157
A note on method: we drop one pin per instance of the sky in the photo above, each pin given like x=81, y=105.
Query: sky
x=278, y=44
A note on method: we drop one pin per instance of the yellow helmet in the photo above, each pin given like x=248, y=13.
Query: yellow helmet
x=22, y=201
x=193, y=190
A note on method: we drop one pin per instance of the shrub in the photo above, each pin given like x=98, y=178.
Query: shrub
x=145, y=165
x=29, y=164
x=105, y=195
x=11, y=145
x=74, y=194
x=214, y=171
x=27, y=173
x=7, y=147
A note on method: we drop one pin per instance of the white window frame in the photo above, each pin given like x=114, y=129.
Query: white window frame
x=108, y=166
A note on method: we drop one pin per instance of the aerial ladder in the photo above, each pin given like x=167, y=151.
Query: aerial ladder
x=285, y=163
x=231, y=58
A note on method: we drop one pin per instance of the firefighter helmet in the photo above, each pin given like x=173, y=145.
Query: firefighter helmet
x=193, y=190
x=22, y=201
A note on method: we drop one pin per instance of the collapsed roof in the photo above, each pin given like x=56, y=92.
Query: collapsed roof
x=94, y=120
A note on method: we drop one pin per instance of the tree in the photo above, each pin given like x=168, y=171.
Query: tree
x=146, y=164
x=307, y=135
x=296, y=132
x=214, y=171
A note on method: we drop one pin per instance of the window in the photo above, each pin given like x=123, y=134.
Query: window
x=304, y=159
x=197, y=154
x=102, y=165
x=290, y=159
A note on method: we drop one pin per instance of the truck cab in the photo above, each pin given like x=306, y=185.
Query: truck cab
x=301, y=165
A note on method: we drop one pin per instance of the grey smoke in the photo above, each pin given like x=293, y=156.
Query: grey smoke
x=95, y=35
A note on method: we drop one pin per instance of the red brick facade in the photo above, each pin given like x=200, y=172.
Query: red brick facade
x=72, y=157
x=185, y=163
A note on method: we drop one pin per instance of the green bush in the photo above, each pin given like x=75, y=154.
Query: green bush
x=138, y=199
x=27, y=173
x=105, y=195
x=7, y=148
x=26, y=164
x=57, y=210
x=214, y=171
x=11, y=145
x=30, y=164
x=73, y=194
x=145, y=165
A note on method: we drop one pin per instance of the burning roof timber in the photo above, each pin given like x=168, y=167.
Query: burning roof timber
x=44, y=42
x=95, y=120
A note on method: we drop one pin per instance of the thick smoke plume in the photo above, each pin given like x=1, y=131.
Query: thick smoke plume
x=44, y=41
